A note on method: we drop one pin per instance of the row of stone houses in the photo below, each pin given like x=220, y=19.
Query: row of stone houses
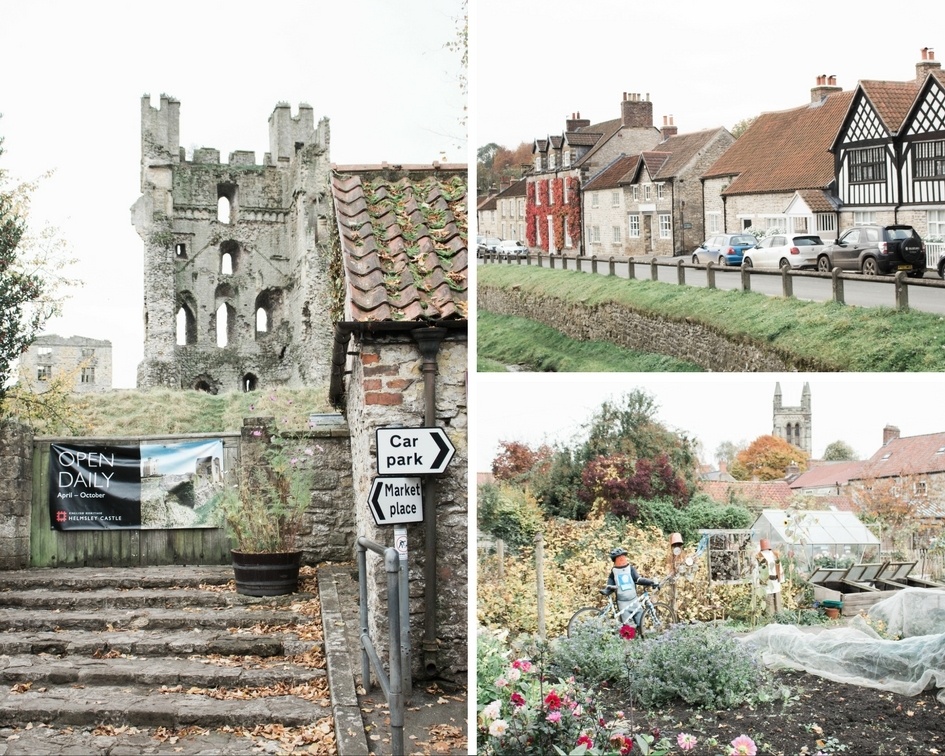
x=873, y=154
x=905, y=474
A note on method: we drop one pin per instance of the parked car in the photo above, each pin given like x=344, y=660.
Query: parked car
x=784, y=251
x=876, y=249
x=511, y=247
x=486, y=244
x=724, y=249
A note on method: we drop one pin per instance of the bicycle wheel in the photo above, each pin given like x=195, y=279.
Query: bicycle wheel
x=657, y=618
x=587, y=614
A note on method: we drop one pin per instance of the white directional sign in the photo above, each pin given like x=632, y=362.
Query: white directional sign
x=396, y=500
x=413, y=451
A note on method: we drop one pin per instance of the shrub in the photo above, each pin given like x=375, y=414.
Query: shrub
x=703, y=665
x=510, y=514
x=595, y=653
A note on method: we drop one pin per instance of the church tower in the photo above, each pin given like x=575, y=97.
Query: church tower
x=793, y=424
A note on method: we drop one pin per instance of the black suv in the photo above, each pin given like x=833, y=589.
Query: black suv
x=876, y=249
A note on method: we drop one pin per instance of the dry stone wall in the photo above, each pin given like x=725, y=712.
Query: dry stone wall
x=621, y=325
x=16, y=484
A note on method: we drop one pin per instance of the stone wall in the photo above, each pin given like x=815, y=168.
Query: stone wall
x=621, y=325
x=88, y=360
x=16, y=486
x=386, y=389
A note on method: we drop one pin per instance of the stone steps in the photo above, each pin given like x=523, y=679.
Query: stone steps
x=153, y=648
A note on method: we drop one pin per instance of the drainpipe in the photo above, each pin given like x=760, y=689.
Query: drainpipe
x=429, y=340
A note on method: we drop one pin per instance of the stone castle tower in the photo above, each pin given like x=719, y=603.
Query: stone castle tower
x=793, y=424
x=236, y=256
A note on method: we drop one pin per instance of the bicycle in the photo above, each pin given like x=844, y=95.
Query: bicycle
x=656, y=616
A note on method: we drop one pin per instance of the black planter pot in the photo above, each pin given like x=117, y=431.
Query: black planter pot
x=266, y=574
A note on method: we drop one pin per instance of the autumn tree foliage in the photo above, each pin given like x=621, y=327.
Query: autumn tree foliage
x=496, y=165
x=516, y=460
x=617, y=484
x=767, y=458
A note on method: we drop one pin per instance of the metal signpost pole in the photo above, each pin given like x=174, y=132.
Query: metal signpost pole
x=400, y=543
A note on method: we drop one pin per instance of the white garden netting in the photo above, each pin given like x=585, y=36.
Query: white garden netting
x=853, y=653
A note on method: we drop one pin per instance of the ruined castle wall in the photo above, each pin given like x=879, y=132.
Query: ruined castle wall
x=254, y=261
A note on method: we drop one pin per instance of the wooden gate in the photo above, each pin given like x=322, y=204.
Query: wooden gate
x=120, y=548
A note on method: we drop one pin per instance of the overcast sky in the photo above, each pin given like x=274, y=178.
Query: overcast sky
x=74, y=73
x=706, y=64
x=712, y=407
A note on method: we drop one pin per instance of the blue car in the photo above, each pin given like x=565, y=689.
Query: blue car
x=724, y=249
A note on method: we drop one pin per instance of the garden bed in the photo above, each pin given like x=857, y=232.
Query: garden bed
x=820, y=716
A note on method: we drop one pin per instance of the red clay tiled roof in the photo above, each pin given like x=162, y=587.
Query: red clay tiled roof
x=827, y=474
x=541, y=145
x=818, y=200
x=654, y=161
x=786, y=150
x=516, y=189
x=403, y=243
x=682, y=148
x=610, y=176
x=582, y=138
x=891, y=100
x=556, y=141
x=774, y=494
x=911, y=455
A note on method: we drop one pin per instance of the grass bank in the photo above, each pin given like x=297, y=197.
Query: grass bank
x=155, y=412
x=505, y=340
x=846, y=338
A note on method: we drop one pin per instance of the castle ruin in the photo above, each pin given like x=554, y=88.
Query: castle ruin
x=236, y=256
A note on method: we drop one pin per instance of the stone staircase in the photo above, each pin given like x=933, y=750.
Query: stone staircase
x=93, y=659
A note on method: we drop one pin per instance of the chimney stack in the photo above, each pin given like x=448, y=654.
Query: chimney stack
x=826, y=85
x=925, y=66
x=636, y=112
x=890, y=433
x=575, y=122
x=669, y=128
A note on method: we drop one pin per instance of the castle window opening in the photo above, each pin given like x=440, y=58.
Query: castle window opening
x=223, y=210
x=250, y=382
x=203, y=386
x=268, y=310
x=43, y=372
x=226, y=325
x=226, y=203
x=229, y=257
x=180, y=251
x=262, y=321
x=88, y=375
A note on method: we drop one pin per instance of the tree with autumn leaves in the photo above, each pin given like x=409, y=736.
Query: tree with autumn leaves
x=767, y=458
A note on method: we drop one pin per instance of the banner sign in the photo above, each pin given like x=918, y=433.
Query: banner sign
x=135, y=486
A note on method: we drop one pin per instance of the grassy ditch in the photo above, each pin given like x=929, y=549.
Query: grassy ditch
x=844, y=338
x=505, y=340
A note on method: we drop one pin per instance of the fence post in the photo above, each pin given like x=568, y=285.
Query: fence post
x=593, y=263
x=551, y=261
x=837, y=285
x=787, y=282
x=680, y=272
x=540, y=263
x=654, y=270
x=612, y=271
x=710, y=274
x=746, y=279
x=902, y=291
x=540, y=580
x=631, y=271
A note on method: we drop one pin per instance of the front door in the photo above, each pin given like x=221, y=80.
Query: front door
x=648, y=234
x=551, y=236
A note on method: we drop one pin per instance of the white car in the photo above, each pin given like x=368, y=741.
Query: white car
x=511, y=248
x=784, y=251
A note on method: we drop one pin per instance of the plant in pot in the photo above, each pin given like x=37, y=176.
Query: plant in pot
x=264, y=511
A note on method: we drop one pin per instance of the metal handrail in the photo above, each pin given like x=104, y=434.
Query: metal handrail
x=391, y=686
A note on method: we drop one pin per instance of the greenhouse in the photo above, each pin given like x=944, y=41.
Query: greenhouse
x=811, y=534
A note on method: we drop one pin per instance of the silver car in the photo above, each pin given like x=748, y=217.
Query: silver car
x=511, y=248
x=784, y=251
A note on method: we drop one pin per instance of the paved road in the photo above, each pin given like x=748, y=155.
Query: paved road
x=879, y=292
